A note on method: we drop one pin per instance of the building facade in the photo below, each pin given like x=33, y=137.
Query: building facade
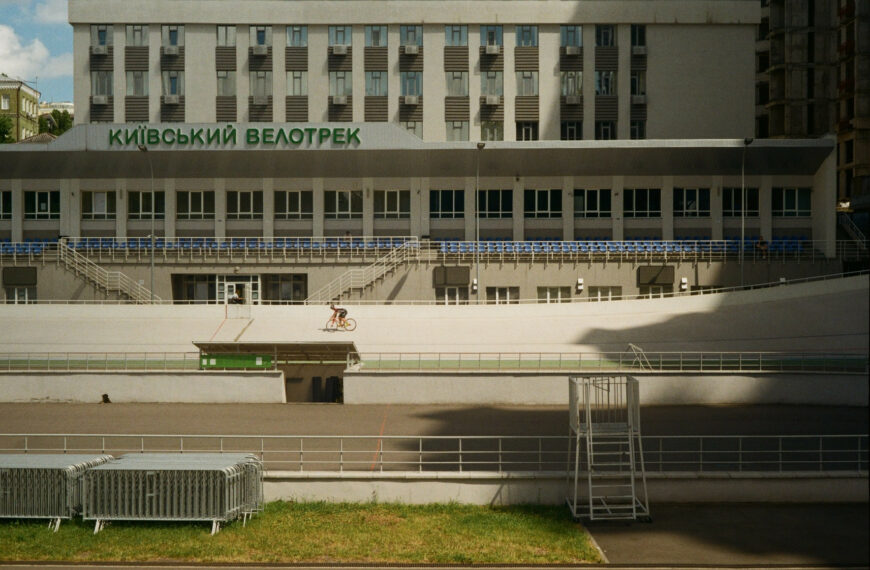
x=19, y=102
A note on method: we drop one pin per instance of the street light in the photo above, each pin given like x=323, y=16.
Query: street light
x=746, y=143
x=480, y=146
x=144, y=149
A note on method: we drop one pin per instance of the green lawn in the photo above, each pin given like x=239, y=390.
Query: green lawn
x=320, y=532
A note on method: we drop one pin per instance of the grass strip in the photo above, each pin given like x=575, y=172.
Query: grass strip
x=320, y=532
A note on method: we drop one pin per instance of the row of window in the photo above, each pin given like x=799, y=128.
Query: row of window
x=375, y=35
x=556, y=294
x=396, y=204
x=27, y=106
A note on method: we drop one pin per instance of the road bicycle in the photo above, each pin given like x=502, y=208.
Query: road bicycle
x=334, y=325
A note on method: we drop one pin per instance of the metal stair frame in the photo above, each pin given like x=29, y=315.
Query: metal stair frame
x=108, y=281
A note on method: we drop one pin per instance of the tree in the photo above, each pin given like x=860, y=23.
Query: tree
x=6, y=135
x=57, y=123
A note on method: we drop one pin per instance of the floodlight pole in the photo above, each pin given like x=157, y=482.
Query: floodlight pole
x=746, y=143
x=144, y=149
x=480, y=147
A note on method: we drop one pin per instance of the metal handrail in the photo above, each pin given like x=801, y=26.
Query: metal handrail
x=547, y=362
x=840, y=453
x=109, y=280
x=98, y=361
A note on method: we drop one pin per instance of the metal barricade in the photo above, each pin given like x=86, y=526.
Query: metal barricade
x=216, y=487
x=44, y=486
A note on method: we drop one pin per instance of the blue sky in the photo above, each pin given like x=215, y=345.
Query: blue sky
x=36, y=42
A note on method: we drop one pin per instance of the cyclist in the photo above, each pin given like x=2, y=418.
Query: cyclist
x=340, y=313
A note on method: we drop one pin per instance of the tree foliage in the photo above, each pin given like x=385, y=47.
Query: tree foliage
x=57, y=123
x=6, y=130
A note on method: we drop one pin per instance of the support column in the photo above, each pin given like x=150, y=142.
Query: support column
x=319, y=206
x=71, y=202
x=170, y=207
x=220, y=206
x=519, y=219
x=617, y=185
x=469, y=208
x=765, y=207
x=509, y=46
x=623, y=82
x=368, y=207
x=416, y=207
x=424, y=207
x=823, y=200
x=568, y=208
x=667, y=207
x=269, y=207
x=716, y=219
x=121, y=198
x=155, y=79
x=18, y=211
x=279, y=78
x=588, y=88
x=119, y=76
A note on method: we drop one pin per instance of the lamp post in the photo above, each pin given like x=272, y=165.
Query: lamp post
x=480, y=147
x=746, y=143
x=144, y=149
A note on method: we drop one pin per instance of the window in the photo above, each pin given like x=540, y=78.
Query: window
x=642, y=202
x=4, y=102
x=195, y=205
x=292, y=287
x=638, y=82
x=638, y=35
x=294, y=205
x=42, y=205
x=261, y=83
x=572, y=83
x=451, y=295
x=412, y=83
x=172, y=35
x=791, y=202
x=376, y=83
x=527, y=130
x=173, y=83
x=495, y=203
x=527, y=36
x=610, y=293
x=456, y=35
x=503, y=295
x=6, y=205
x=732, y=199
x=637, y=129
x=376, y=36
x=20, y=295
x=101, y=35
x=605, y=83
x=605, y=36
x=245, y=205
x=139, y=205
x=490, y=35
x=137, y=83
x=339, y=35
x=457, y=131
x=656, y=291
x=297, y=36
x=340, y=83
x=591, y=203
x=297, y=83
x=98, y=205
x=571, y=36
x=571, y=131
x=343, y=204
x=260, y=35
x=392, y=204
x=605, y=130
x=226, y=36
x=137, y=35
x=527, y=83
x=447, y=204
x=492, y=83
x=226, y=83
x=542, y=203
x=414, y=127
x=691, y=202
x=101, y=83
x=457, y=83
x=491, y=131
x=554, y=294
x=411, y=35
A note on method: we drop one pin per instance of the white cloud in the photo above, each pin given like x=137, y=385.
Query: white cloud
x=52, y=12
x=27, y=61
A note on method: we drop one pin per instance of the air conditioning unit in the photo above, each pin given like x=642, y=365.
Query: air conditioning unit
x=412, y=49
x=572, y=50
x=100, y=100
x=99, y=50
x=339, y=100
x=493, y=100
x=260, y=100
x=412, y=100
x=261, y=50
x=170, y=99
x=573, y=99
x=170, y=50
x=339, y=50
x=638, y=50
x=638, y=99
x=493, y=49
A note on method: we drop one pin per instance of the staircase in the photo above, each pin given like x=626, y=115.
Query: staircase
x=852, y=230
x=108, y=281
x=357, y=280
x=611, y=474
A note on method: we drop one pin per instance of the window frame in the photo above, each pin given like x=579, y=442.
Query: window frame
x=565, y=128
x=734, y=195
x=302, y=79
x=260, y=83
x=494, y=31
x=494, y=295
x=495, y=204
x=637, y=129
x=166, y=77
x=638, y=82
x=542, y=204
x=527, y=35
x=527, y=131
x=638, y=35
x=599, y=210
x=689, y=202
x=492, y=79
x=344, y=33
x=102, y=83
x=411, y=79
x=382, y=36
x=131, y=35
x=303, y=200
x=406, y=38
x=52, y=202
x=131, y=80
x=605, y=127
x=190, y=198
x=492, y=130
x=392, y=204
x=244, y=205
x=228, y=79
x=566, y=79
x=346, y=78
x=605, y=35
x=450, y=32
x=798, y=195
x=166, y=35
x=460, y=127
x=565, y=36
x=89, y=202
x=106, y=39
x=136, y=207
x=334, y=199
x=382, y=83
x=605, y=82
x=438, y=198
x=641, y=207
x=451, y=81
x=228, y=38
x=260, y=35
x=554, y=294
x=297, y=36
x=5, y=204
x=527, y=84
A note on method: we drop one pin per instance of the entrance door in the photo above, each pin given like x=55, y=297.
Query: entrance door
x=246, y=286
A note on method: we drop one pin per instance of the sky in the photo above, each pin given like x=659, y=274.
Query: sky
x=36, y=44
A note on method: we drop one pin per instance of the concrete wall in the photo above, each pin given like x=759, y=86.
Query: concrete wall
x=152, y=387
x=516, y=389
x=550, y=488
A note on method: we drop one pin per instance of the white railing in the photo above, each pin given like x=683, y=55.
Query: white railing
x=110, y=281
x=494, y=454
x=356, y=279
x=96, y=361
x=853, y=230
